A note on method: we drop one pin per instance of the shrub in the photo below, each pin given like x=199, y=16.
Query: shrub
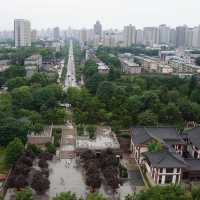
x=80, y=129
x=25, y=194
x=14, y=150
x=33, y=149
x=46, y=156
x=51, y=148
x=43, y=163
x=91, y=129
x=40, y=183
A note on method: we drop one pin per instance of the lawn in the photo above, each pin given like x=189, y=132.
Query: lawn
x=3, y=167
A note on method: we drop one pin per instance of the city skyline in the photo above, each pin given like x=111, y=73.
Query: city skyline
x=112, y=14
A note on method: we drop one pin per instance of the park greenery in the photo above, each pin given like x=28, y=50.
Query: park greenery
x=122, y=101
x=24, y=194
x=72, y=196
x=134, y=49
x=172, y=192
x=29, y=104
x=17, y=56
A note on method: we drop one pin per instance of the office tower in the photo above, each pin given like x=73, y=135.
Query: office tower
x=33, y=36
x=22, y=33
x=56, y=33
x=180, y=36
x=164, y=34
x=172, y=37
x=129, y=35
x=151, y=36
x=139, y=37
x=98, y=28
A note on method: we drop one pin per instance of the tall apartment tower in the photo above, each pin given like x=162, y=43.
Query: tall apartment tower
x=22, y=33
x=129, y=35
x=180, y=36
x=164, y=34
x=151, y=36
x=56, y=33
x=98, y=28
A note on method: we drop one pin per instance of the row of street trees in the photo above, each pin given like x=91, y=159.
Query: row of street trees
x=135, y=100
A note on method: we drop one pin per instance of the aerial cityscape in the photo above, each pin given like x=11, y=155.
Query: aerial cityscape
x=99, y=112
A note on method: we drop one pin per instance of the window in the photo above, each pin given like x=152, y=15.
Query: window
x=169, y=170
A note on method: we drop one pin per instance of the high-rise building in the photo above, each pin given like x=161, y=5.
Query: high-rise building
x=98, y=28
x=164, y=34
x=172, y=37
x=189, y=37
x=56, y=33
x=139, y=37
x=22, y=33
x=83, y=35
x=129, y=35
x=33, y=36
x=151, y=36
x=196, y=37
x=180, y=36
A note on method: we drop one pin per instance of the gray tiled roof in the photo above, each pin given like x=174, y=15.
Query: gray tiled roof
x=194, y=136
x=193, y=164
x=165, y=159
x=140, y=135
x=167, y=135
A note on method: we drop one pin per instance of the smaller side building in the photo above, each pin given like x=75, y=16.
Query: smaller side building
x=104, y=139
x=42, y=138
x=4, y=65
x=130, y=67
x=103, y=68
x=33, y=64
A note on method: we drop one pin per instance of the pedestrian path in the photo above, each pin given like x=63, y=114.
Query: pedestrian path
x=68, y=141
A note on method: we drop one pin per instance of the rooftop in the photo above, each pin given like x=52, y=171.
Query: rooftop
x=194, y=136
x=33, y=57
x=105, y=138
x=165, y=159
x=102, y=66
x=166, y=135
x=130, y=63
x=47, y=132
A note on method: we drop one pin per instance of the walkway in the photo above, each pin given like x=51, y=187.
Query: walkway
x=68, y=141
x=134, y=175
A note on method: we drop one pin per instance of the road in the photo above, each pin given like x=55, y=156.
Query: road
x=70, y=80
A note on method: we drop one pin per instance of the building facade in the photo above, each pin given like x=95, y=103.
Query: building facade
x=22, y=33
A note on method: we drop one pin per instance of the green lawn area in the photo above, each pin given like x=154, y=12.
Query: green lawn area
x=3, y=167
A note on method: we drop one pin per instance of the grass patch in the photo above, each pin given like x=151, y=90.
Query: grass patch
x=3, y=167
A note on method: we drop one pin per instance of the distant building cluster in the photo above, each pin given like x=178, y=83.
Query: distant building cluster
x=171, y=63
x=181, y=36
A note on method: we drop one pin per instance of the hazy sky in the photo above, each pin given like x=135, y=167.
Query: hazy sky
x=111, y=13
